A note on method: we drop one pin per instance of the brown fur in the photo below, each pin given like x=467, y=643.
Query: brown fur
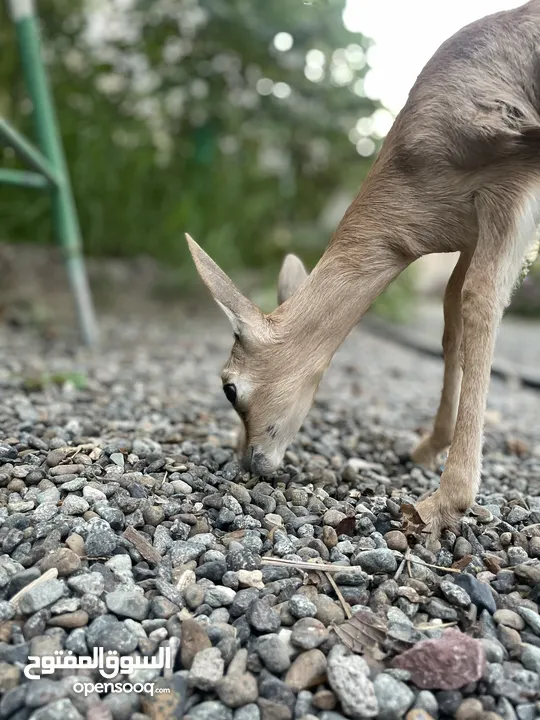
x=459, y=171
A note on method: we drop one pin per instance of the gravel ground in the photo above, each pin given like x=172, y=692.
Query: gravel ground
x=119, y=475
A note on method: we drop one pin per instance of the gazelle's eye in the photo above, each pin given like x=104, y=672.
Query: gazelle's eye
x=230, y=392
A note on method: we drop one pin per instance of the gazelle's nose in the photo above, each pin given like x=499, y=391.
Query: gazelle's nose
x=256, y=461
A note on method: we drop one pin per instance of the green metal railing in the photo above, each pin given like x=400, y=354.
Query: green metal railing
x=49, y=168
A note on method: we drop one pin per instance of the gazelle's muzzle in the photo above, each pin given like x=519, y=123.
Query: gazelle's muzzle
x=256, y=462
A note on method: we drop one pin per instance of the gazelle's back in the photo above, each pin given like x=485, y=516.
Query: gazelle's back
x=477, y=101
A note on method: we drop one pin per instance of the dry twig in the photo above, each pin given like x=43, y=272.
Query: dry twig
x=50, y=574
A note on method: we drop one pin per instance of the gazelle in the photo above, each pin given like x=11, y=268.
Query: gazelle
x=459, y=171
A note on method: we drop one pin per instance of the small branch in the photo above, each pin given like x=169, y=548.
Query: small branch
x=434, y=567
x=299, y=565
x=344, y=604
x=400, y=569
x=50, y=574
x=142, y=545
x=327, y=567
x=427, y=626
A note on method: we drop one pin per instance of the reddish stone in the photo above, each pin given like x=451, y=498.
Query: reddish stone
x=446, y=663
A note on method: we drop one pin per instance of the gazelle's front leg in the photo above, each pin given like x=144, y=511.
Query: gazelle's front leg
x=504, y=236
x=428, y=451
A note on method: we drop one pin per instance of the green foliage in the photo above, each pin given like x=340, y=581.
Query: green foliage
x=166, y=130
x=182, y=115
x=41, y=382
x=397, y=303
x=526, y=299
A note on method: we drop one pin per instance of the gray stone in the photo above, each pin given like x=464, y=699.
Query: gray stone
x=127, y=604
x=100, y=543
x=248, y=712
x=60, y=709
x=454, y=594
x=262, y=617
x=209, y=710
x=108, y=632
x=89, y=583
x=74, y=505
x=44, y=691
x=274, y=653
x=41, y=596
x=380, y=560
x=531, y=618
x=182, y=551
x=219, y=597
x=301, y=606
x=237, y=689
x=12, y=700
x=207, y=669
x=7, y=610
x=393, y=696
x=479, y=592
x=495, y=652
x=348, y=676
x=530, y=657
x=122, y=705
x=426, y=700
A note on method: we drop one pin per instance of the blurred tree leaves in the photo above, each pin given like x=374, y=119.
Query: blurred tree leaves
x=183, y=115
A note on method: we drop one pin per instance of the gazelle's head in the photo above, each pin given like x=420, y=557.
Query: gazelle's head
x=269, y=379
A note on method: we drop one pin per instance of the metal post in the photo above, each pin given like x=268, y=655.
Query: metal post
x=65, y=215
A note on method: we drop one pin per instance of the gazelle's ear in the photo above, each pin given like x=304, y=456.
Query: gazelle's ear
x=291, y=276
x=242, y=313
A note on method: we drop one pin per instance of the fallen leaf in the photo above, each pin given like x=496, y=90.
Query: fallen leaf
x=142, y=545
x=462, y=563
x=346, y=527
x=410, y=594
x=412, y=525
x=493, y=563
x=363, y=633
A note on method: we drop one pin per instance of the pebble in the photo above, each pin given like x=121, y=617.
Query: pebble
x=41, y=596
x=309, y=633
x=509, y=618
x=194, y=640
x=531, y=618
x=348, y=676
x=148, y=446
x=129, y=604
x=479, y=593
x=380, y=560
x=455, y=594
x=396, y=540
x=262, y=617
x=328, y=611
x=207, y=669
x=301, y=607
x=238, y=689
x=307, y=670
x=64, y=560
x=274, y=653
x=394, y=697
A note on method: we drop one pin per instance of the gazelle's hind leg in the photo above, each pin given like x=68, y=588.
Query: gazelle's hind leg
x=507, y=221
x=428, y=451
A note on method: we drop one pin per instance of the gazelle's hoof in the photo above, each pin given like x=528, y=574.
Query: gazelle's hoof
x=438, y=515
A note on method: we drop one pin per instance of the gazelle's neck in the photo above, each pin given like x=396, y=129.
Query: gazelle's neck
x=352, y=273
